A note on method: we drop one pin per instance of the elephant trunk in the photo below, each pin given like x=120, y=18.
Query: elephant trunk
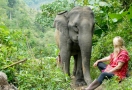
x=86, y=55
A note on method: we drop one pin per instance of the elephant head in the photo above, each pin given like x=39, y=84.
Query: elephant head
x=74, y=30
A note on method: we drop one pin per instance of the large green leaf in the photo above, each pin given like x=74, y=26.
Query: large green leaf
x=130, y=9
x=115, y=17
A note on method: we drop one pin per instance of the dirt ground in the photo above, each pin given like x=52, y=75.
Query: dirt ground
x=79, y=88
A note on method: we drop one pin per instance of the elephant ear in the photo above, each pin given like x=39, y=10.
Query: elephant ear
x=60, y=13
x=61, y=22
x=60, y=18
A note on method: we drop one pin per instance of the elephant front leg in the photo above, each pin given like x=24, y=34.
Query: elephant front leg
x=79, y=73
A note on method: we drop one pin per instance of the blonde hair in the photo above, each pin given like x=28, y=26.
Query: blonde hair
x=118, y=43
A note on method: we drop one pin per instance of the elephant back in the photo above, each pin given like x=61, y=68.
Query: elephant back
x=81, y=10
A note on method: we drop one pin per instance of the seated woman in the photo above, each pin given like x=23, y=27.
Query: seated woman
x=118, y=64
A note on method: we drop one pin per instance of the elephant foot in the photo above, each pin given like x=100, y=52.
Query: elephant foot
x=80, y=82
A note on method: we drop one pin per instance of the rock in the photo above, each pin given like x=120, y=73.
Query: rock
x=4, y=85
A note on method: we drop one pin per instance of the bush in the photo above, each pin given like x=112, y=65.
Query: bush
x=42, y=74
x=113, y=84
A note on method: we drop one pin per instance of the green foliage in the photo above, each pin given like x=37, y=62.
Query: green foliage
x=113, y=84
x=11, y=50
x=85, y=2
x=123, y=14
x=26, y=33
x=126, y=3
x=101, y=10
x=11, y=3
x=49, y=12
x=36, y=3
x=45, y=75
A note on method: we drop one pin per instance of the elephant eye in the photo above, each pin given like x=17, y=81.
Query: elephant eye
x=76, y=29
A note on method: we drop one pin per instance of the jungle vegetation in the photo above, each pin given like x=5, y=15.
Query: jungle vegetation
x=27, y=33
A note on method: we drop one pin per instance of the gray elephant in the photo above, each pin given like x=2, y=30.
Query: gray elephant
x=74, y=31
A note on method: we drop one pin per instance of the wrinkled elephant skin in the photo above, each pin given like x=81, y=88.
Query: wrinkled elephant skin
x=74, y=31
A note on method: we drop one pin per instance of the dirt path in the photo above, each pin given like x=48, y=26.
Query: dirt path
x=79, y=88
x=73, y=87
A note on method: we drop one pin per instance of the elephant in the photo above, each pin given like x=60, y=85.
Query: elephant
x=73, y=35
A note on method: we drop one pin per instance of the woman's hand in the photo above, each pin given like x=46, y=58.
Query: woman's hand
x=101, y=60
x=95, y=64
x=118, y=67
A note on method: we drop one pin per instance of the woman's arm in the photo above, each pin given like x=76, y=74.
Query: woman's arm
x=118, y=67
x=102, y=60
